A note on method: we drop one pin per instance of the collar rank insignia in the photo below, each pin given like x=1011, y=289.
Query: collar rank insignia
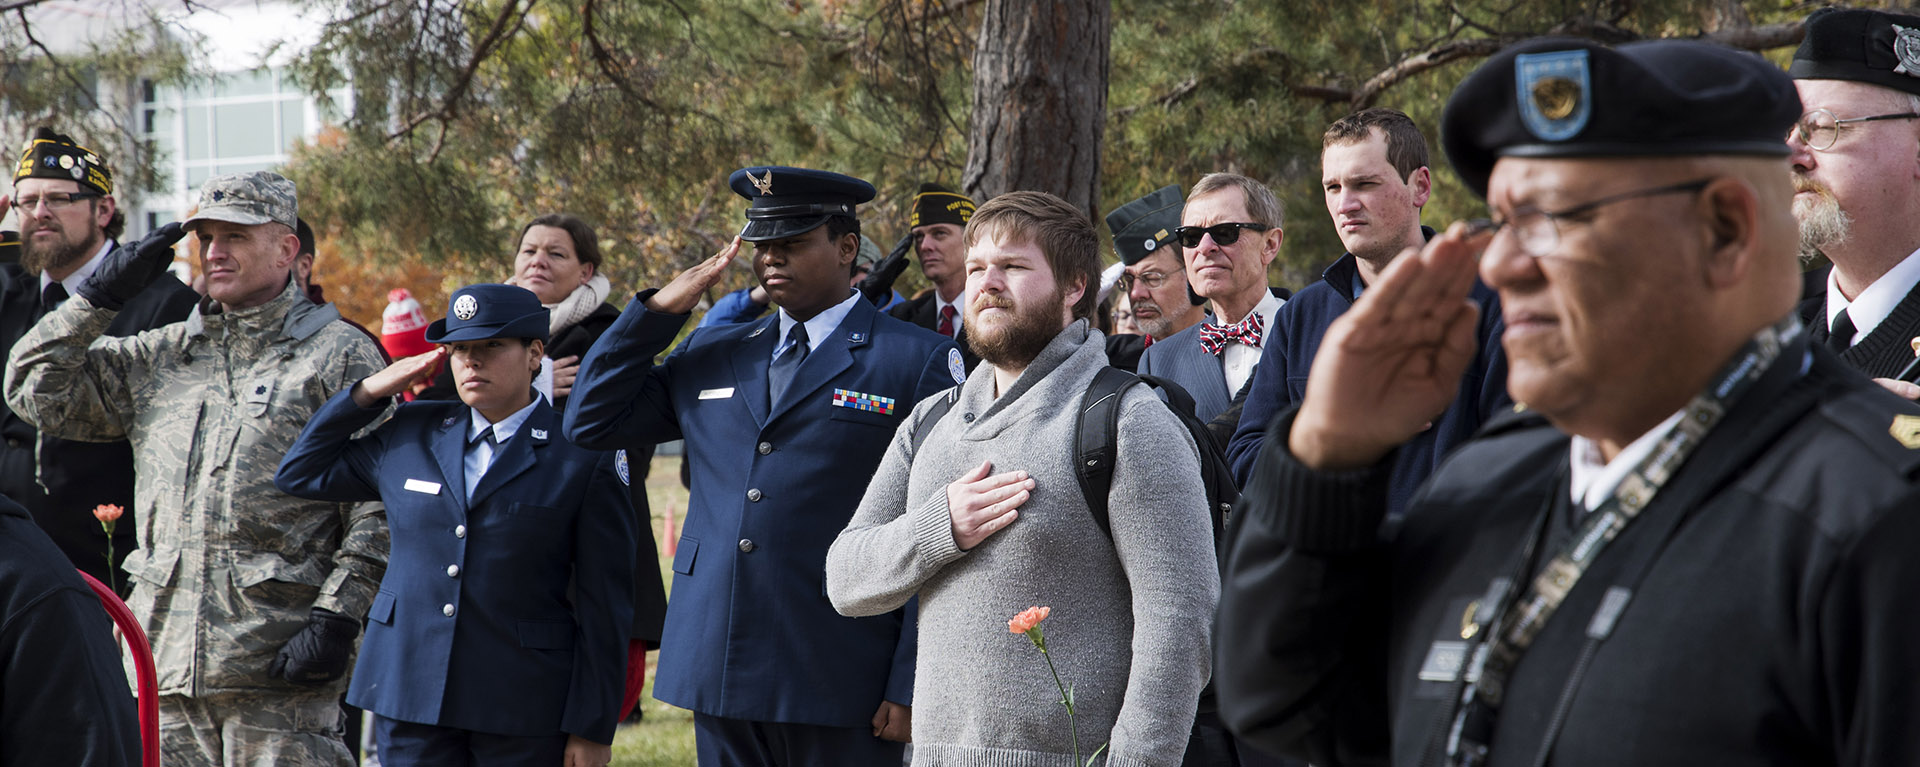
x=765, y=185
x=539, y=433
x=861, y=401
x=1906, y=431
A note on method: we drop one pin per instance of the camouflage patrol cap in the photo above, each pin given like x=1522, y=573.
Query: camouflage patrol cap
x=248, y=199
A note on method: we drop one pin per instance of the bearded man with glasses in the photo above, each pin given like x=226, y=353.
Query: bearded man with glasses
x=63, y=200
x=1856, y=169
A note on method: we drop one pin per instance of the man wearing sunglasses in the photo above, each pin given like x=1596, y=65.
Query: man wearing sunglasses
x=1375, y=178
x=1693, y=546
x=1856, y=167
x=1231, y=233
x=63, y=199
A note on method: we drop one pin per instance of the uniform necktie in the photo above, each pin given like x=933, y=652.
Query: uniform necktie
x=482, y=448
x=1843, y=331
x=781, y=374
x=52, y=295
x=1214, y=338
x=946, y=321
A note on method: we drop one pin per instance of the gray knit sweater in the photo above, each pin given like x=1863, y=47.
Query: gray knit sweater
x=1131, y=617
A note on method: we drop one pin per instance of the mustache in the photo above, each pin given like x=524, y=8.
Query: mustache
x=1801, y=183
x=987, y=301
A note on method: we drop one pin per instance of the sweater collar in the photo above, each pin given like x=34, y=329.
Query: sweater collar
x=1076, y=347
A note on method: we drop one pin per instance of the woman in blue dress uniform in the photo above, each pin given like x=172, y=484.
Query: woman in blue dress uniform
x=498, y=636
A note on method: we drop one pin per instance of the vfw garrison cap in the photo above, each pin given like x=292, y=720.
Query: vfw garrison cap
x=1860, y=45
x=56, y=155
x=1145, y=225
x=793, y=201
x=479, y=312
x=248, y=199
x=1566, y=97
x=936, y=204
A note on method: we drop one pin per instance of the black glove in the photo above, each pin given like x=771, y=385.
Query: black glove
x=318, y=654
x=879, y=280
x=125, y=271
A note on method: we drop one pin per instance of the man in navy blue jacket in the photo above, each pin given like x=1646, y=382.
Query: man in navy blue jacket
x=499, y=633
x=1375, y=177
x=785, y=419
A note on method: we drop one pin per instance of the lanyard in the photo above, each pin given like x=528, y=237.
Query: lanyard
x=1517, y=622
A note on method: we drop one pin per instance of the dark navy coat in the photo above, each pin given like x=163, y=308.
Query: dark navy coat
x=750, y=633
x=475, y=626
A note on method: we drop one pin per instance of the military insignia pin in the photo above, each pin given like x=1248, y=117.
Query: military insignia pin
x=465, y=307
x=1906, y=431
x=1555, y=93
x=856, y=337
x=539, y=433
x=66, y=161
x=765, y=185
x=1906, y=47
x=871, y=403
x=1150, y=244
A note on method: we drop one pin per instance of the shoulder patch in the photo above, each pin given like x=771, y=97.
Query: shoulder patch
x=956, y=366
x=620, y=467
x=1906, y=431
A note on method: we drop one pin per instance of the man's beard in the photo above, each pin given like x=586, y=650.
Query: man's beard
x=1013, y=342
x=1822, y=223
x=64, y=254
x=1155, y=326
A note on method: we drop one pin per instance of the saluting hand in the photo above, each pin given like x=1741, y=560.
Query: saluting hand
x=396, y=378
x=981, y=505
x=684, y=292
x=1390, y=365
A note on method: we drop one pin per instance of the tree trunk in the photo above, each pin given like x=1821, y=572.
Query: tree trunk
x=1040, y=100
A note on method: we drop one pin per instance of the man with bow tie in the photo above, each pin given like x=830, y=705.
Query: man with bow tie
x=1375, y=178
x=1231, y=233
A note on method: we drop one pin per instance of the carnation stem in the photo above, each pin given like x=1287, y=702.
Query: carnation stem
x=1065, y=699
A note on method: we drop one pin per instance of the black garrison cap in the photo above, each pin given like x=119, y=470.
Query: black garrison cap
x=936, y=204
x=794, y=201
x=1861, y=45
x=1566, y=97
x=1147, y=224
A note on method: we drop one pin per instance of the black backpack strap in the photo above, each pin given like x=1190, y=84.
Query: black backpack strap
x=1096, y=445
x=934, y=411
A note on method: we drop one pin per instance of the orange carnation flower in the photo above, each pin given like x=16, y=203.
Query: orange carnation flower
x=107, y=513
x=1027, y=619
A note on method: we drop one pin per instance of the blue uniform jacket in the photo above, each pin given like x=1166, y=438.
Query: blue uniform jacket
x=750, y=633
x=475, y=626
x=1280, y=381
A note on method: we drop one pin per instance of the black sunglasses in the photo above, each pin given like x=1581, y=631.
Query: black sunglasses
x=1223, y=234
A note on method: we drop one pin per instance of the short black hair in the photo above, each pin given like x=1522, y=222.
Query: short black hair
x=841, y=226
x=305, y=233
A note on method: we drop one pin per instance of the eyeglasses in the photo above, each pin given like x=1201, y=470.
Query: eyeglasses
x=1538, y=231
x=53, y=201
x=1153, y=280
x=1223, y=234
x=1819, y=129
x=1121, y=315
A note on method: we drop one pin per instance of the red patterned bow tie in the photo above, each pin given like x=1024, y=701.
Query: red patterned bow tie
x=1214, y=338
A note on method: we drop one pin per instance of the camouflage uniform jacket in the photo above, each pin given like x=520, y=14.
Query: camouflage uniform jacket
x=227, y=566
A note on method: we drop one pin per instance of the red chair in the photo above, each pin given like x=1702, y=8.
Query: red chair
x=142, y=668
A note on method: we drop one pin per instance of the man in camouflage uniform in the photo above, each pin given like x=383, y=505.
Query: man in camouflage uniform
x=252, y=598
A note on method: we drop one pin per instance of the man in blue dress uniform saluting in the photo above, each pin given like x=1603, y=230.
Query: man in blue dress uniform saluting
x=785, y=419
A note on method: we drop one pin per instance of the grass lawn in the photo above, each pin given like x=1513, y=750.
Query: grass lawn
x=664, y=736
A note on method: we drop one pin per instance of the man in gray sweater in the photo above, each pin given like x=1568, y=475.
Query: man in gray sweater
x=1131, y=613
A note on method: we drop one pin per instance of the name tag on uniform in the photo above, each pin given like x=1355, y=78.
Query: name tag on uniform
x=716, y=393
x=423, y=486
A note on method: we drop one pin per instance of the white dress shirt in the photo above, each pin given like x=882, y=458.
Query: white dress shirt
x=819, y=328
x=1238, y=360
x=1872, y=306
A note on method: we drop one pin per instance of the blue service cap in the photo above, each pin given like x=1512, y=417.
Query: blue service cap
x=1567, y=97
x=479, y=312
x=794, y=201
